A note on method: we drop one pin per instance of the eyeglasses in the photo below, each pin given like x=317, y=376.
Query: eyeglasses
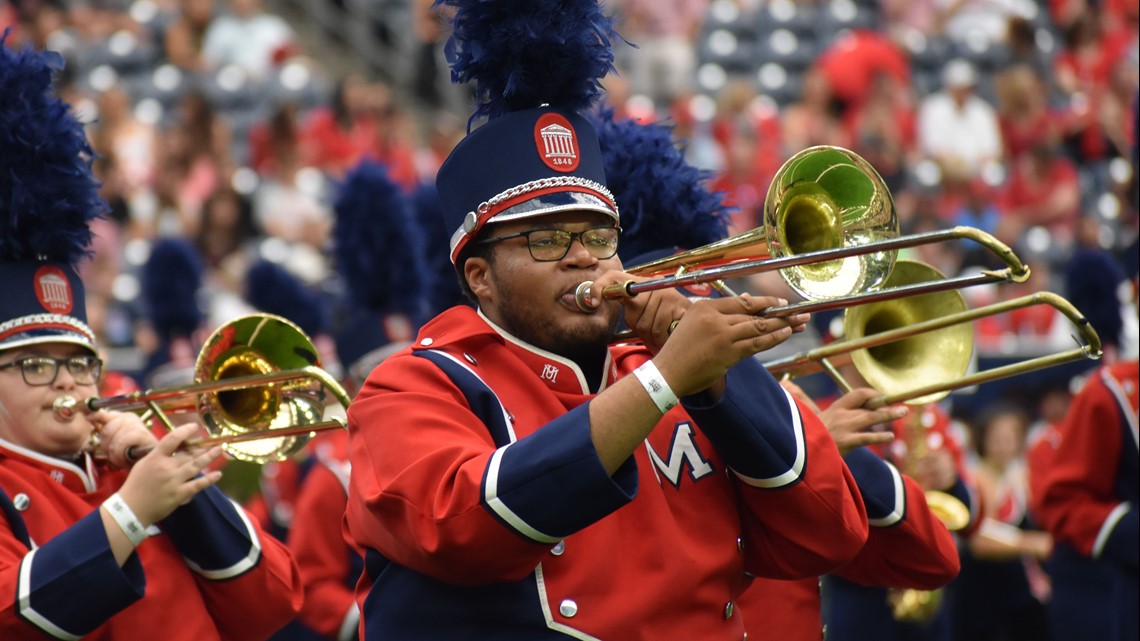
x=548, y=245
x=42, y=370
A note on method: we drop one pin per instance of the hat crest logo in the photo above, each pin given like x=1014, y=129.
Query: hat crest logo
x=556, y=142
x=53, y=290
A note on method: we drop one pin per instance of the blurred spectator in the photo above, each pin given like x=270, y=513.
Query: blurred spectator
x=248, y=37
x=747, y=129
x=969, y=20
x=1085, y=69
x=128, y=140
x=184, y=37
x=1001, y=588
x=882, y=128
x=288, y=202
x=1043, y=189
x=812, y=120
x=956, y=127
x=664, y=63
x=1023, y=110
x=852, y=61
x=341, y=132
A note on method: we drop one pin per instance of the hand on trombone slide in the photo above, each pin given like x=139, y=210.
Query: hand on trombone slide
x=850, y=424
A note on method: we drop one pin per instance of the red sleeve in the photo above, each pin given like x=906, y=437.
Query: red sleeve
x=272, y=589
x=931, y=558
x=1073, y=472
x=317, y=542
x=825, y=501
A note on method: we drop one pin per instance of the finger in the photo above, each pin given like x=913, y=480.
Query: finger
x=856, y=397
x=861, y=439
x=170, y=443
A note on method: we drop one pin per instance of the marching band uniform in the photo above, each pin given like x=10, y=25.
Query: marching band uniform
x=328, y=568
x=208, y=573
x=477, y=490
x=856, y=609
x=907, y=547
x=1084, y=487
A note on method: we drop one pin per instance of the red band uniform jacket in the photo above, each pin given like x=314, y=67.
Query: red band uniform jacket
x=208, y=573
x=1084, y=484
x=483, y=512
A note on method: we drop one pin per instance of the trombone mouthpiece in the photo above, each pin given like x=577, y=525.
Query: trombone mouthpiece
x=582, y=297
x=63, y=408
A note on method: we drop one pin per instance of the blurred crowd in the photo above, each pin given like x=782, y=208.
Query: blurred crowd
x=217, y=125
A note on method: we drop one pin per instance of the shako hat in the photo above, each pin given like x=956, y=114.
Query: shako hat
x=536, y=65
x=48, y=196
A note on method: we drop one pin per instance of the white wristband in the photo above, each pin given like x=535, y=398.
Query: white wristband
x=654, y=383
x=128, y=522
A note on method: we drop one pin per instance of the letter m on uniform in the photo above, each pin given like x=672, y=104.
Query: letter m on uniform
x=683, y=452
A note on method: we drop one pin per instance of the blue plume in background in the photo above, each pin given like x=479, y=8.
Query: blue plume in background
x=442, y=285
x=379, y=248
x=171, y=279
x=271, y=288
x=665, y=202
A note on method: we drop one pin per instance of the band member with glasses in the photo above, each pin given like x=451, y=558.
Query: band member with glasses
x=94, y=545
x=516, y=476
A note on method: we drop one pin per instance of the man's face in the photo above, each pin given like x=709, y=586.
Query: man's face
x=26, y=417
x=534, y=300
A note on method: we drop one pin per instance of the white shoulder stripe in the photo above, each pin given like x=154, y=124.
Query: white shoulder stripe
x=491, y=495
x=1113, y=386
x=797, y=468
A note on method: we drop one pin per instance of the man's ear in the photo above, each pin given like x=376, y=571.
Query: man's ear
x=477, y=272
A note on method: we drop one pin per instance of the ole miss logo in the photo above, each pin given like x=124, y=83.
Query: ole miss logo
x=53, y=290
x=556, y=142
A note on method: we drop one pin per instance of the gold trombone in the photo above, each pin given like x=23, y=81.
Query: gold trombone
x=258, y=390
x=830, y=230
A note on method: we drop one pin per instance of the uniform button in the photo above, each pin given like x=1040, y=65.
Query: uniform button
x=470, y=359
x=729, y=608
x=568, y=608
x=739, y=544
x=21, y=501
x=426, y=342
x=558, y=549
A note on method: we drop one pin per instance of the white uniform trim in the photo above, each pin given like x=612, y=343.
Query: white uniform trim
x=24, y=598
x=243, y=565
x=1113, y=386
x=347, y=630
x=1108, y=526
x=899, y=511
x=797, y=468
x=544, y=599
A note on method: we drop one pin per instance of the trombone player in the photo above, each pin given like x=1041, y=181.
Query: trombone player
x=524, y=477
x=907, y=546
x=90, y=547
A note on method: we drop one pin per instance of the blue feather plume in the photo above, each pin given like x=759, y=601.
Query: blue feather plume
x=273, y=289
x=48, y=193
x=526, y=53
x=171, y=279
x=379, y=249
x=665, y=202
x=1092, y=278
x=442, y=285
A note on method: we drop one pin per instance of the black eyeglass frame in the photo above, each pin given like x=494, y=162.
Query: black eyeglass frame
x=574, y=235
x=93, y=364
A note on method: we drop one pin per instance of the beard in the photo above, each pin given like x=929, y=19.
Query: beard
x=584, y=340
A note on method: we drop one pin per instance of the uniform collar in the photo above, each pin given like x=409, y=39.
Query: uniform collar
x=79, y=477
x=558, y=373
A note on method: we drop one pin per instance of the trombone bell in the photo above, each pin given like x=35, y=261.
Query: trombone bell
x=258, y=346
x=827, y=198
x=933, y=357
